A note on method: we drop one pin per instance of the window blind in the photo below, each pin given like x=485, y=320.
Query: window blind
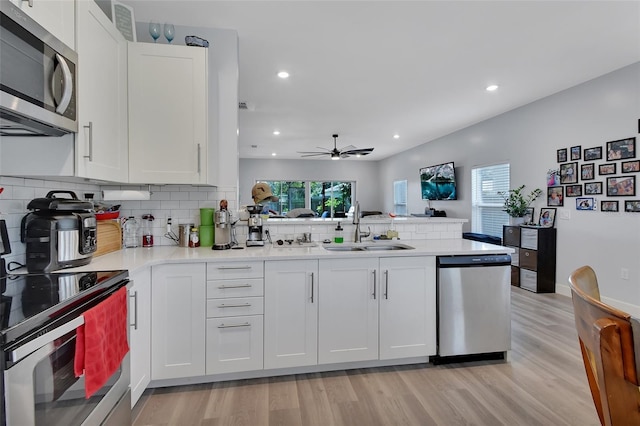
x=487, y=215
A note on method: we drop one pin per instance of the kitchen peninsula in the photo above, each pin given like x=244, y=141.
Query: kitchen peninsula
x=200, y=315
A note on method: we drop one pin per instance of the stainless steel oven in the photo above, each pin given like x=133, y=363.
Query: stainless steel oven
x=40, y=316
x=37, y=78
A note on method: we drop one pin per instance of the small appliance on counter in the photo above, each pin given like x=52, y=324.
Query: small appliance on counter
x=222, y=220
x=59, y=232
x=254, y=236
x=5, y=248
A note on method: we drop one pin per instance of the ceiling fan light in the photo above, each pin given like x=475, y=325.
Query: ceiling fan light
x=335, y=156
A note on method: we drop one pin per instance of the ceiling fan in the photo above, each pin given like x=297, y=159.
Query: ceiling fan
x=336, y=153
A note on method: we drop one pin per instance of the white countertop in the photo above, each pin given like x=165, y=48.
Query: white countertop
x=136, y=258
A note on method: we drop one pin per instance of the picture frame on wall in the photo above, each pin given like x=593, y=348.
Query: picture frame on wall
x=587, y=171
x=608, y=206
x=547, y=217
x=593, y=188
x=576, y=152
x=632, y=206
x=574, y=191
x=561, y=155
x=594, y=153
x=585, y=203
x=621, y=186
x=630, y=166
x=555, y=196
x=621, y=149
x=569, y=173
x=607, y=169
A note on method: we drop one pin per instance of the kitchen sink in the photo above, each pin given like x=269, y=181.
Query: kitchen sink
x=368, y=247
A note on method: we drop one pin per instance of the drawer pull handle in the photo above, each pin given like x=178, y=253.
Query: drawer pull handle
x=246, y=324
x=526, y=254
x=239, y=305
x=222, y=268
x=222, y=287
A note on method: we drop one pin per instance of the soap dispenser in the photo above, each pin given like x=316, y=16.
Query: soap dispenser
x=339, y=238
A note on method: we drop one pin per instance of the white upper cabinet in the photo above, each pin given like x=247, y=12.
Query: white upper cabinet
x=55, y=16
x=167, y=114
x=102, y=140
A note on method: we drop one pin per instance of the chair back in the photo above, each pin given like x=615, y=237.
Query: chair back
x=606, y=341
x=585, y=279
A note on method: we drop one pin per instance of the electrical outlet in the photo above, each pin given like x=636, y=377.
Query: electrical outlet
x=624, y=273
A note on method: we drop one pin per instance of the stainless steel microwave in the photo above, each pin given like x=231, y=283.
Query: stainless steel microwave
x=37, y=78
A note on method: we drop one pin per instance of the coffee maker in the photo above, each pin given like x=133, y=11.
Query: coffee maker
x=222, y=234
x=254, y=236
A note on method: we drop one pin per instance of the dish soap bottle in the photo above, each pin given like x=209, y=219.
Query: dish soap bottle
x=339, y=238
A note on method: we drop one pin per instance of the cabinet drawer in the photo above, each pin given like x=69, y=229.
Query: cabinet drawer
x=528, y=280
x=529, y=259
x=511, y=236
x=217, y=289
x=515, y=276
x=235, y=306
x=529, y=238
x=217, y=271
x=515, y=258
x=234, y=344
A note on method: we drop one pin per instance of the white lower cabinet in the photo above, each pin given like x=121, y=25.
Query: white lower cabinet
x=407, y=307
x=291, y=313
x=178, y=298
x=348, y=310
x=235, y=308
x=140, y=332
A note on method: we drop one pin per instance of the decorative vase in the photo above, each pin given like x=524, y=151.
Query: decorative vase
x=513, y=221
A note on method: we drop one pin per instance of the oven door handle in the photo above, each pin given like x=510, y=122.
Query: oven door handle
x=35, y=344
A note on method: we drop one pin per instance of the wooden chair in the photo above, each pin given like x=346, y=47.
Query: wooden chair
x=606, y=341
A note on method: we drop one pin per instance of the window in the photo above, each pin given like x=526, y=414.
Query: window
x=487, y=215
x=400, y=197
x=324, y=198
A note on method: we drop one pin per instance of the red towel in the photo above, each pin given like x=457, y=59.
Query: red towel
x=101, y=343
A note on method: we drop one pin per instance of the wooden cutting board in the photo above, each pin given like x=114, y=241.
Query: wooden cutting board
x=109, y=237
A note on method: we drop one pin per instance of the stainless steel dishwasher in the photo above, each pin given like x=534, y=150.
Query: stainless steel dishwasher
x=474, y=304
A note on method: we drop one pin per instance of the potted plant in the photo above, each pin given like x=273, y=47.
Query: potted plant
x=516, y=203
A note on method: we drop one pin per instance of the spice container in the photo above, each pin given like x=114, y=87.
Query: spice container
x=194, y=239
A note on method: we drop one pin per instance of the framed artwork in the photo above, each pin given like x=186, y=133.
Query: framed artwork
x=561, y=155
x=528, y=215
x=609, y=206
x=574, y=190
x=553, y=177
x=569, y=173
x=632, y=206
x=593, y=188
x=607, y=169
x=585, y=203
x=555, y=196
x=547, y=217
x=621, y=149
x=621, y=186
x=122, y=17
x=587, y=171
x=576, y=152
x=594, y=153
x=630, y=166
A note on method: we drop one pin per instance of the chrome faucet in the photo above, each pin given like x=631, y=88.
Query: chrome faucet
x=356, y=221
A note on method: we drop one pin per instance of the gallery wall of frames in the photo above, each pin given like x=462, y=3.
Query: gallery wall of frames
x=605, y=174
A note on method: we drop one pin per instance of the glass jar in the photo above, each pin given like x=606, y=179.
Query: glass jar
x=131, y=232
x=194, y=238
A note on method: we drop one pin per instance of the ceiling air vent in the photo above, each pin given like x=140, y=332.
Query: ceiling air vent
x=242, y=105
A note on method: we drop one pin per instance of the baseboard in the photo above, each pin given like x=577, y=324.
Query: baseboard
x=633, y=310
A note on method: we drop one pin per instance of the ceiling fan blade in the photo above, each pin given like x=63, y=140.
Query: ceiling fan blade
x=348, y=148
x=363, y=151
x=324, y=149
x=312, y=152
x=315, y=154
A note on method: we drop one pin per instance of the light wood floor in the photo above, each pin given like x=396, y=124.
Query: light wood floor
x=543, y=384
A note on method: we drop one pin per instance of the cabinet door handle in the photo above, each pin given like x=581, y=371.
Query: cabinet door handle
x=386, y=284
x=30, y=2
x=526, y=253
x=223, y=268
x=239, y=305
x=374, y=284
x=135, y=311
x=312, y=279
x=67, y=85
x=246, y=324
x=90, y=127
x=222, y=287
x=198, y=158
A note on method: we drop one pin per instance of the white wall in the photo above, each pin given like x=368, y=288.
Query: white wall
x=365, y=173
x=591, y=114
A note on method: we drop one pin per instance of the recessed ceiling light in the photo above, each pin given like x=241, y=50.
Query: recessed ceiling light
x=492, y=88
x=396, y=136
x=283, y=74
x=276, y=132
x=273, y=154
